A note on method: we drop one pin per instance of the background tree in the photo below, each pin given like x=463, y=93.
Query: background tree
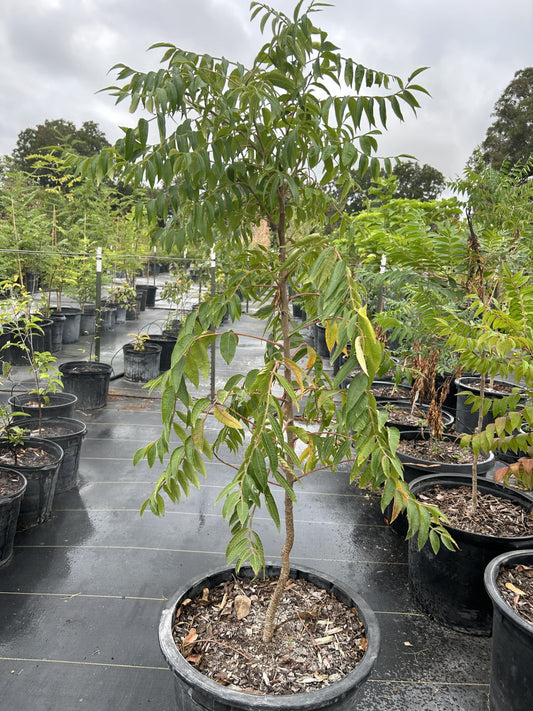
x=413, y=181
x=86, y=141
x=510, y=136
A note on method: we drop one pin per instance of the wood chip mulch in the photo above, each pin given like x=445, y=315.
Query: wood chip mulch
x=516, y=587
x=448, y=451
x=318, y=639
x=494, y=515
x=30, y=457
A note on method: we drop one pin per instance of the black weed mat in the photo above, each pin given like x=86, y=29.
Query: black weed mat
x=81, y=599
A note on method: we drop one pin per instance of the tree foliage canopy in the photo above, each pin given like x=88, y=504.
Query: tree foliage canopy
x=510, y=136
x=413, y=182
x=40, y=140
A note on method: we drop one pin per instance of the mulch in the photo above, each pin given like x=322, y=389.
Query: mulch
x=493, y=516
x=516, y=587
x=318, y=639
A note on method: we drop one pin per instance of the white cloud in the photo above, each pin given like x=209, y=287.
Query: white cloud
x=55, y=55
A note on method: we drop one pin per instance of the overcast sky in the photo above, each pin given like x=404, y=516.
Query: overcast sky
x=55, y=55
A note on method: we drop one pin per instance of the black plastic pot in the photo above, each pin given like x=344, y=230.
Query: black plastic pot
x=167, y=344
x=9, y=511
x=142, y=291
x=140, y=366
x=36, y=504
x=151, y=290
x=70, y=439
x=173, y=327
x=413, y=468
x=511, y=680
x=321, y=347
x=396, y=392
x=88, y=380
x=58, y=405
x=33, y=341
x=132, y=312
x=58, y=322
x=120, y=316
x=71, y=327
x=449, y=586
x=88, y=320
x=399, y=404
x=196, y=692
x=466, y=420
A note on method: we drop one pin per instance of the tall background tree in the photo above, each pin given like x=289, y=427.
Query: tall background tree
x=87, y=140
x=413, y=181
x=510, y=136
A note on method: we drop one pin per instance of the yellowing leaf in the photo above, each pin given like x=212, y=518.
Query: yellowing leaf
x=226, y=419
x=360, y=355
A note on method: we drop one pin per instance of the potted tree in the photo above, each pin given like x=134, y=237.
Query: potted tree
x=141, y=359
x=258, y=138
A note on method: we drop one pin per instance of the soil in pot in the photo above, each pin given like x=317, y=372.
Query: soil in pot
x=449, y=586
x=384, y=390
x=515, y=584
x=12, y=487
x=301, y=678
x=412, y=418
x=421, y=455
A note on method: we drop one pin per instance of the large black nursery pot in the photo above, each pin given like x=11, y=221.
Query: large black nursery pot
x=68, y=433
x=511, y=679
x=35, y=340
x=58, y=322
x=140, y=366
x=413, y=468
x=321, y=347
x=71, y=327
x=167, y=343
x=9, y=510
x=60, y=404
x=36, y=505
x=88, y=380
x=143, y=292
x=88, y=320
x=196, y=692
x=449, y=586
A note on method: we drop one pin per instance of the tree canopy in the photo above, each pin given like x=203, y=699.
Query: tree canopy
x=510, y=136
x=87, y=140
x=413, y=182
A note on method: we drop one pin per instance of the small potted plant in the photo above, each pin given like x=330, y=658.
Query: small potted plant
x=141, y=358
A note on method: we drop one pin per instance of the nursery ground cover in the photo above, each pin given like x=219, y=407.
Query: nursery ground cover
x=80, y=602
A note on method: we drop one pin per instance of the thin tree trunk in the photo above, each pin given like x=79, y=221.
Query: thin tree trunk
x=288, y=412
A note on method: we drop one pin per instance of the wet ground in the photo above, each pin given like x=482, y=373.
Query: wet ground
x=81, y=599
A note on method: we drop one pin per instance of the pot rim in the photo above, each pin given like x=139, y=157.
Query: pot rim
x=308, y=701
x=483, y=481
x=489, y=578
